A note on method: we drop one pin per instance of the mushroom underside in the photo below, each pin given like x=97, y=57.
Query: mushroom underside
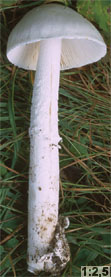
x=74, y=53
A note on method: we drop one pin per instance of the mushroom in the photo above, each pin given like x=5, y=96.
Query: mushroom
x=49, y=38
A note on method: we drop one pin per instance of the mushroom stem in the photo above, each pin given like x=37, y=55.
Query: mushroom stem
x=44, y=154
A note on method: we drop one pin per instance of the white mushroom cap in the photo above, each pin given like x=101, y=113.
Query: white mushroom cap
x=81, y=42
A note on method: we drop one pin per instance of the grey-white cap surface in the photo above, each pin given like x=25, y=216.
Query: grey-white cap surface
x=81, y=42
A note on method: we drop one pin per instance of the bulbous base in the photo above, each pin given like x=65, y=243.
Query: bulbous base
x=55, y=260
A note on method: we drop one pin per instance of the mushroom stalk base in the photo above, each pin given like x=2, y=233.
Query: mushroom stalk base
x=46, y=239
x=58, y=254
